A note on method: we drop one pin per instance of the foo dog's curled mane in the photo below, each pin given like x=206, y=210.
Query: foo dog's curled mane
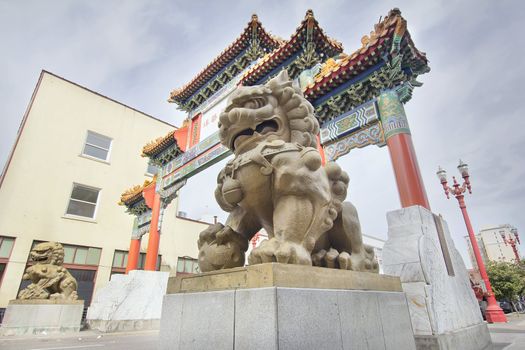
x=276, y=181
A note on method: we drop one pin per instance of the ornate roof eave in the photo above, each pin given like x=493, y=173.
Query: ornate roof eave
x=175, y=138
x=389, y=44
x=253, y=37
x=308, y=42
x=133, y=195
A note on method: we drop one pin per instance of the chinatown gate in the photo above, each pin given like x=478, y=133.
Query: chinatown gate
x=358, y=100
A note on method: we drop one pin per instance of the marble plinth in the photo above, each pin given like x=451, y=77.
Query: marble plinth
x=42, y=317
x=277, y=317
x=283, y=275
x=129, y=302
x=443, y=308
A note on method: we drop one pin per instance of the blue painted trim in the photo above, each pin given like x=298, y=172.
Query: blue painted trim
x=216, y=75
x=346, y=114
x=278, y=68
x=347, y=84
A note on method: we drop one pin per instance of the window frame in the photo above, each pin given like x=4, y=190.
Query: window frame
x=140, y=262
x=147, y=170
x=108, y=156
x=80, y=217
x=71, y=264
x=5, y=260
x=185, y=259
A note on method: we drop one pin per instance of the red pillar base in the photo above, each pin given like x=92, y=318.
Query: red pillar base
x=494, y=314
x=133, y=255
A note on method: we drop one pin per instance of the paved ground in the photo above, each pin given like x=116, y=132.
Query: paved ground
x=145, y=340
x=509, y=336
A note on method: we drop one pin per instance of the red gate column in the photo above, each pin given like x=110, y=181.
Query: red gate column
x=321, y=150
x=152, y=200
x=133, y=255
x=399, y=141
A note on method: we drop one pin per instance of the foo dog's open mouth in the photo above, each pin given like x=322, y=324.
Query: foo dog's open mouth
x=40, y=257
x=264, y=128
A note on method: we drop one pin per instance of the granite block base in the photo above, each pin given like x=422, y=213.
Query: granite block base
x=286, y=318
x=42, y=317
x=444, y=310
x=129, y=302
x=470, y=338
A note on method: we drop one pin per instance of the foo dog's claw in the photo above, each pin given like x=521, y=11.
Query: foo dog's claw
x=345, y=263
x=273, y=250
x=318, y=258
x=282, y=256
x=331, y=257
x=364, y=260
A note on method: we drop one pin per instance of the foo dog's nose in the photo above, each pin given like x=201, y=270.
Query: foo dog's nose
x=234, y=116
x=223, y=119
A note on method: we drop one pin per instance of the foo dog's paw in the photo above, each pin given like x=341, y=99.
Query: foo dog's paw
x=338, y=180
x=328, y=258
x=209, y=234
x=273, y=250
x=357, y=262
x=220, y=247
x=57, y=296
x=33, y=291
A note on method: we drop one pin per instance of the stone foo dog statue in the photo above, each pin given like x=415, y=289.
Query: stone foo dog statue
x=276, y=181
x=49, y=279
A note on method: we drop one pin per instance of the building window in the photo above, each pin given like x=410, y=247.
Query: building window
x=97, y=146
x=83, y=201
x=81, y=255
x=120, y=261
x=78, y=255
x=152, y=169
x=187, y=265
x=6, y=245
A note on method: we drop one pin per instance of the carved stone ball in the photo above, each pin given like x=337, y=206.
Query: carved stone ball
x=232, y=191
x=312, y=160
x=219, y=256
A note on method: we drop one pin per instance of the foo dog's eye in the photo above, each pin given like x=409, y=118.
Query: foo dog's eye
x=254, y=103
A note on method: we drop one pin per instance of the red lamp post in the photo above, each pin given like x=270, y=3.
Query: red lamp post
x=512, y=242
x=493, y=313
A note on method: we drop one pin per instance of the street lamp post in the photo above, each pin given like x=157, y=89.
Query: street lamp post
x=493, y=313
x=512, y=242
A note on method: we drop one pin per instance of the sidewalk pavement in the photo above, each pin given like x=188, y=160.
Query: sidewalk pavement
x=505, y=336
x=510, y=335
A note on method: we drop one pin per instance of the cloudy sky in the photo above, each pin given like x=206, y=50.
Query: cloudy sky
x=138, y=51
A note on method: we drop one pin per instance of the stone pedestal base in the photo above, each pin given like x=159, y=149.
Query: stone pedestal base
x=42, y=317
x=129, y=302
x=283, y=311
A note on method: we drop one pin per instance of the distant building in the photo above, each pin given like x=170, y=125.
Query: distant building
x=492, y=245
x=76, y=151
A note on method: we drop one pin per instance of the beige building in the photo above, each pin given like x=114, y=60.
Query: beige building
x=75, y=153
x=492, y=246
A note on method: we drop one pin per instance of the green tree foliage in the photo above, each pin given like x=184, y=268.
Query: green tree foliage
x=507, y=280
